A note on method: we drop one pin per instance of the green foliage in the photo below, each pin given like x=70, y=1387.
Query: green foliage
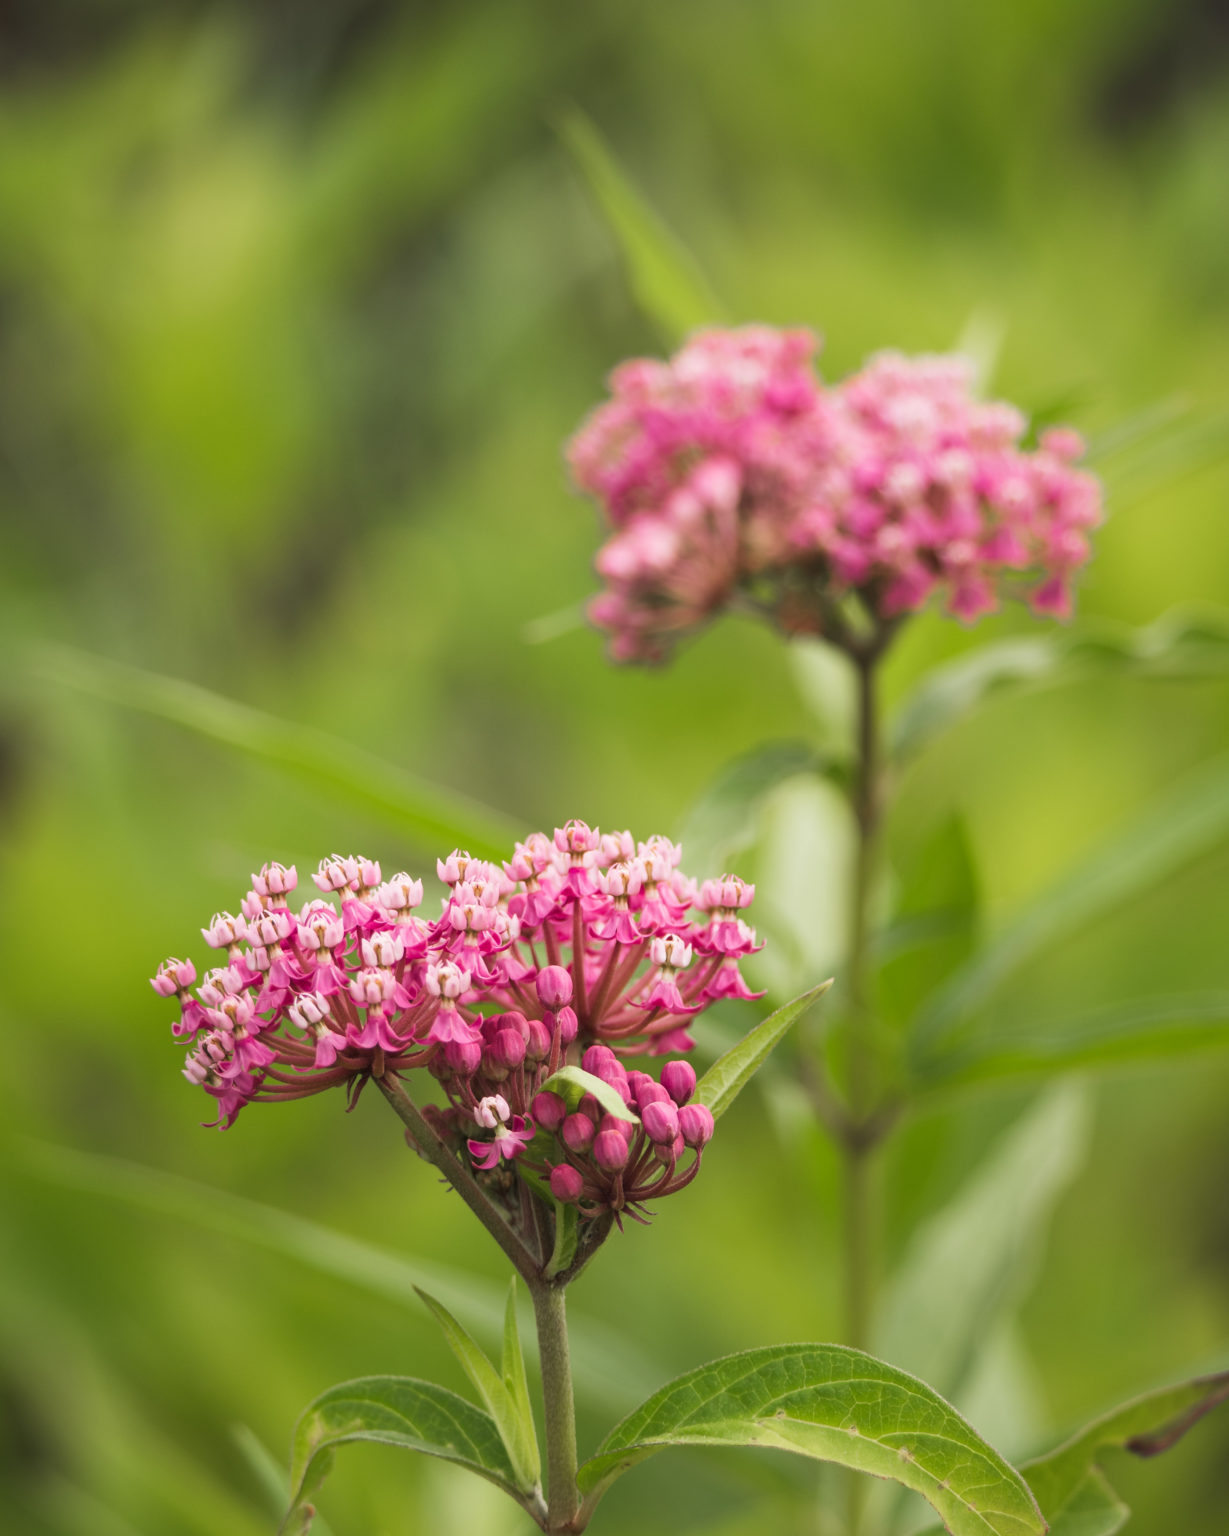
x=435, y=818
x=507, y=1401
x=665, y=277
x=732, y=1071
x=573, y=1083
x=836, y=1405
x=400, y=1411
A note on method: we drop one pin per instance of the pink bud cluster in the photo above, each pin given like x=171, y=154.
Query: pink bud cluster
x=731, y=472
x=581, y=947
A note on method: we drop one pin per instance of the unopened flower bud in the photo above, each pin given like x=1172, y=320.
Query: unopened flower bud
x=610, y=1151
x=554, y=986
x=566, y=1183
x=577, y=1133
x=548, y=1110
x=568, y=1025
x=651, y=1093
x=508, y=1049
x=621, y=1127
x=463, y=1056
x=678, y=1078
x=537, y=1048
x=696, y=1125
x=597, y=1057
x=660, y=1121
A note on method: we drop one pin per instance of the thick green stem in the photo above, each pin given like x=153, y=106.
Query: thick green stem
x=562, y=1494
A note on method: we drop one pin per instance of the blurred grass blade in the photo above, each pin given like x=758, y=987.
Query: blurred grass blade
x=967, y=1270
x=272, y=1478
x=831, y=1404
x=515, y=1430
x=666, y=279
x=1184, y=643
x=1149, y=1029
x=730, y=1073
x=608, y=1370
x=436, y=818
x=1146, y=1426
x=1188, y=821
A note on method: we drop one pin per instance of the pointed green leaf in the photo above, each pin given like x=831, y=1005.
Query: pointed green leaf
x=730, y=1073
x=1146, y=1426
x=1149, y=1029
x=833, y=1404
x=512, y=1362
x=397, y=1410
x=722, y=822
x=1169, y=833
x=1185, y=643
x=515, y=1430
x=433, y=816
x=572, y=1083
x=666, y=280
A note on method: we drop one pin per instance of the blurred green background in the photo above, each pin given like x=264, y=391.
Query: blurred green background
x=297, y=306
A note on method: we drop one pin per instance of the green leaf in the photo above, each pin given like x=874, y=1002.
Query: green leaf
x=1094, y=1510
x=666, y=280
x=434, y=817
x=515, y=1429
x=572, y=1083
x=1168, y=834
x=722, y=822
x=832, y=1404
x=1185, y=643
x=1146, y=1426
x=271, y=1476
x=608, y=1370
x=397, y=1410
x=967, y=1270
x=731, y=1072
x=512, y=1364
x=935, y=923
x=1149, y=1029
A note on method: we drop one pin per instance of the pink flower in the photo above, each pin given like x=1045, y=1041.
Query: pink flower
x=732, y=468
x=513, y=1133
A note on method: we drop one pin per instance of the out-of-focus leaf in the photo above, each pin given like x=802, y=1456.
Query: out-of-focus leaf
x=731, y=1072
x=1145, y=1426
x=1186, y=643
x=968, y=1268
x=665, y=277
x=1169, y=833
x=1150, y=1029
x=400, y=1411
x=572, y=1083
x=722, y=822
x=607, y=1368
x=435, y=818
x=516, y=1430
x=934, y=925
x=271, y=1476
x=832, y=1404
x=828, y=686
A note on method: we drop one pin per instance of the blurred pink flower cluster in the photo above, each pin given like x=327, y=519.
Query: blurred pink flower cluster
x=581, y=948
x=732, y=473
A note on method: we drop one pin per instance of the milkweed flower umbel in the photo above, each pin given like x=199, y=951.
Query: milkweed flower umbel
x=580, y=949
x=731, y=475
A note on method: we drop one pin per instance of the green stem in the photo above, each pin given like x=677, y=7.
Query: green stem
x=461, y=1179
x=562, y=1494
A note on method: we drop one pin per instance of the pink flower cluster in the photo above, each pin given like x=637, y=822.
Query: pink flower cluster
x=582, y=947
x=731, y=472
